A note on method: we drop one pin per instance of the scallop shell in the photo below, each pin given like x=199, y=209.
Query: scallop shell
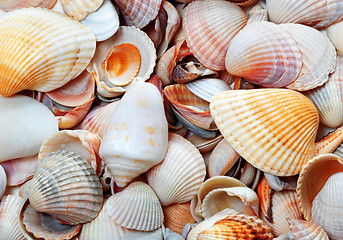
x=27, y=122
x=53, y=50
x=134, y=125
x=66, y=187
x=306, y=230
x=10, y=5
x=178, y=177
x=209, y=27
x=136, y=207
x=264, y=54
x=79, y=9
x=9, y=211
x=177, y=215
x=261, y=126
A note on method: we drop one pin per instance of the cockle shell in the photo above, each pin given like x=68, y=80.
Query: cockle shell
x=66, y=187
x=178, y=177
x=137, y=123
x=79, y=9
x=27, y=123
x=177, y=215
x=262, y=127
x=136, y=207
x=304, y=230
x=209, y=27
x=10, y=5
x=53, y=50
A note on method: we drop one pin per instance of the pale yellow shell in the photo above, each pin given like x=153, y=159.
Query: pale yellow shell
x=79, y=9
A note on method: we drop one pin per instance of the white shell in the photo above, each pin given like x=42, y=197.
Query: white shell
x=334, y=32
x=3, y=181
x=134, y=235
x=206, y=88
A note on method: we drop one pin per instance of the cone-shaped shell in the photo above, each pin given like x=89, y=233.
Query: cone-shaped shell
x=178, y=177
x=137, y=123
x=136, y=207
x=66, y=187
x=209, y=27
x=306, y=230
x=79, y=9
x=10, y=5
x=52, y=50
x=177, y=215
x=264, y=54
x=273, y=129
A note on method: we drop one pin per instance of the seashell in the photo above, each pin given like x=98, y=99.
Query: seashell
x=170, y=235
x=3, y=181
x=178, y=177
x=33, y=123
x=139, y=13
x=264, y=54
x=258, y=16
x=284, y=136
x=102, y=227
x=334, y=33
x=264, y=192
x=153, y=235
x=25, y=189
x=132, y=127
x=327, y=98
x=82, y=142
x=104, y=22
x=319, y=57
x=203, y=144
x=177, y=215
x=10, y=5
x=127, y=35
x=248, y=173
x=187, y=72
x=9, y=211
x=209, y=27
x=136, y=207
x=244, y=3
x=281, y=183
x=79, y=9
x=191, y=107
x=320, y=200
x=241, y=199
x=66, y=187
x=97, y=119
x=222, y=159
x=43, y=61
x=229, y=224
x=306, y=230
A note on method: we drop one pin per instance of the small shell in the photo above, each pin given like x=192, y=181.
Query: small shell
x=136, y=207
x=79, y=9
x=177, y=215
x=304, y=230
x=66, y=187
x=178, y=177
x=3, y=181
x=203, y=144
x=281, y=183
x=10, y=5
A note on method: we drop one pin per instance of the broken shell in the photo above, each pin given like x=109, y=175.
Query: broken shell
x=177, y=215
x=79, y=9
x=45, y=61
x=136, y=207
x=178, y=177
x=10, y=5
x=306, y=230
x=66, y=187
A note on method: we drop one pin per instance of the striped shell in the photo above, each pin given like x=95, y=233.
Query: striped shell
x=177, y=215
x=79, y=9
x=303, y=230
x=10, y=5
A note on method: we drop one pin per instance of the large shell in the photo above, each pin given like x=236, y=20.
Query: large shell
x=273, y=129
x=27, y=123
x=209, y=27
x=137, y=123
x=264, y=54
x=304, y=230
x=178, y=177
x=136, y=207
x=79, y=9
x=52, y=50
x=66, y=187
x=10, y=5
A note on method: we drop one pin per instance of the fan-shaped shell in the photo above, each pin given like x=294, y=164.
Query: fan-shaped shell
x=79, y=9
x=10, y=5
x=178, y=177
x=136, y=207
x=209, y=27
x=66, y=187
x=306, y=230
x=52, y=50
x=273, y=129
x=177, y=215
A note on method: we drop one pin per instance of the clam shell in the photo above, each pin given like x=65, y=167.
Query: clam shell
x=53, y=50
x=28, y=122
x=10, y=5
x=245, y=117
x=79, y=9
x=136, y=207
x=334, y=33
x=264, y=54
x=177, y=215
x=178, y=177
x=306, y=230
x=66, y=187
x=139, y=13
x=134, y=125
x=209, y=27
x=9, y=211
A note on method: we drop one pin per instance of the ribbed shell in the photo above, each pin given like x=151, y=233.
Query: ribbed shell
x=10, y=5
x=66, y=186
x=52, y=50
x=79, y=9
x=178, y=177
x=9, y=211
x=328, y=98
x=264, y=54
x=273, y=129
x=209, y=27
x=139, y=13
x=177, y=215
x=303, y=230
x=136, y=207
x=318, y=56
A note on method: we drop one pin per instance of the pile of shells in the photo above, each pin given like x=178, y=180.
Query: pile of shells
x=182, y=120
